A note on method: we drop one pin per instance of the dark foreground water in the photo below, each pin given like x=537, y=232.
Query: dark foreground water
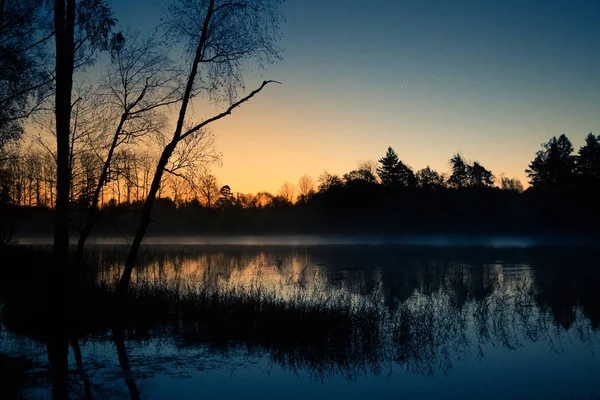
x=354, y=321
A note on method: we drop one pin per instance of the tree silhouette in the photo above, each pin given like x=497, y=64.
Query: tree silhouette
x=388, y=172
x=369, y=167
x=359, y=175
x=479, y=176
x=460, y=172
x=511, y=184
x=25, y=79
x=328, y=181
x=306, y=187
x=588, y=162
x=407, y=176
x=226, y=198
x=553, y=165
x=465, y=175
x=429, y=179
x=207, y=189
x=394, y=173
x=287, y=191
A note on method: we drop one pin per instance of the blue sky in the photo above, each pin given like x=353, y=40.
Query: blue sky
x=489, y=79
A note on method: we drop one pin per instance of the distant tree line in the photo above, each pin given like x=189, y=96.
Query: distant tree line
x=387, y=196
x=29, y=179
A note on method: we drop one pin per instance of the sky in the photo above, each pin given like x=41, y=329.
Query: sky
x=492, y=80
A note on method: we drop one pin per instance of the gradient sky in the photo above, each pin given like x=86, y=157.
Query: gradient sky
x=489, y=79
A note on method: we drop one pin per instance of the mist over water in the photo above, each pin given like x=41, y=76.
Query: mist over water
x=453, y=240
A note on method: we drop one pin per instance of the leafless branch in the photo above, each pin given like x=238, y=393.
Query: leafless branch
x=226, y=112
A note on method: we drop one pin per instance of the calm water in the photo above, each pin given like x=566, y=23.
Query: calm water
x=411, y=321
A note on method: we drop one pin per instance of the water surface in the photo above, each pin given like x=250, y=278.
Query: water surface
x=312, y=320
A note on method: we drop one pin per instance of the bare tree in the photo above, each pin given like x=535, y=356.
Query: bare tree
x=221, y=36
x=263, y=199
x=88, y=126
x=194, y=153
x=138, y=84
x=208, y=189
x=306, y=187
x=512, y=184
x=247, y=200
x=48, y=179
x=15, y=173
x=287, y=191
x=175, y=186
x=87, y=129
x=328, y=181
x=87, y=168
x=146, y=163
x=369, y=168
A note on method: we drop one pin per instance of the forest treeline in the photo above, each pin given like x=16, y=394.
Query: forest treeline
x=386, y=197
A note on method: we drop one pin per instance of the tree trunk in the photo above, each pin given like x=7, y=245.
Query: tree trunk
x=119, y=339
x=57, y=348
x=118, y=189
x=38, y=195
x=58, y=345
x=144, y=221
x=64, y=28
x=91, y=216
x=80, y=369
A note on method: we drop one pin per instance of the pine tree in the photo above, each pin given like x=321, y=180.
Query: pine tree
x=429, y=179
x=460, y=174
x=406, y=176
x=588, y=162
x=554, y=165
x=389, y=172
x=479, y=176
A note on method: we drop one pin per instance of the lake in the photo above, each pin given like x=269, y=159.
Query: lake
x=300, y=320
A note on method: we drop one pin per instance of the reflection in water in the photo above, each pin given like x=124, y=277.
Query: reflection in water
x=81, y=369
x=337, y=312
x=119, y=339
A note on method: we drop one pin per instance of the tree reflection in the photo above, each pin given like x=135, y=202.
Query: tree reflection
x=80, y=368
x=428, y=314
x=312, y=313
x=119, y=340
